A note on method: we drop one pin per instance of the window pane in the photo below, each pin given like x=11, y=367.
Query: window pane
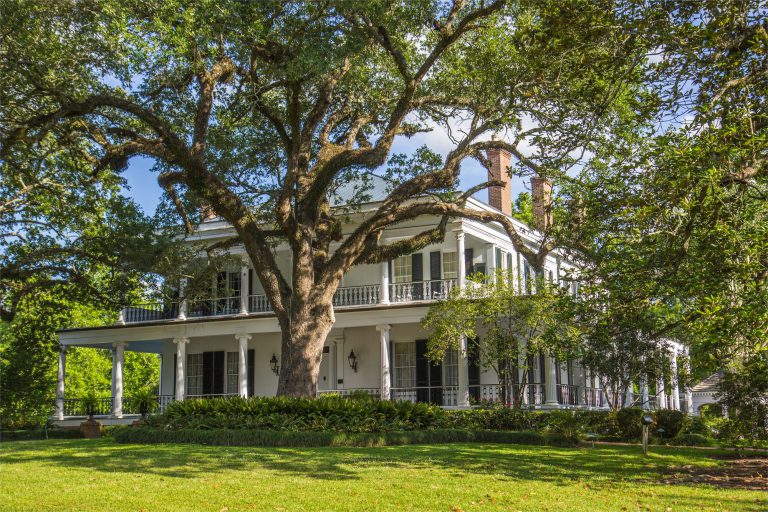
x=403, y=269
x=233, y=361
x=405, y=365
x=450, y=265
x=194, y=374
x=451, y=368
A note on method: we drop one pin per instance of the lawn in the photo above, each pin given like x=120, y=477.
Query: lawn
x=101, y=475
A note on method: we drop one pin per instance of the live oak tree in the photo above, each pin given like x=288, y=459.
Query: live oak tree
x=260, y=111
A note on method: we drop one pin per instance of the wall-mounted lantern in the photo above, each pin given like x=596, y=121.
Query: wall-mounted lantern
x=273, y=363
x=352, y=361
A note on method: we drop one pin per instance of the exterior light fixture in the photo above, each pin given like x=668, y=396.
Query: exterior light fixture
x=352, y=361
x=273, y=363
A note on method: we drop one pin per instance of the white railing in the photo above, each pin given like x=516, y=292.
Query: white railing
x=374, y=392
x=259, y=304
x=216, y=306
x=438, y=395
x=421, y=290
x=149, y=312
x=356, y=295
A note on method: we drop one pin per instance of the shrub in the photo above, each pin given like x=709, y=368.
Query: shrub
x=629, y=422
x=36, y=434
x=691, y=440
x=233, y=437
x=669, y=420
x=300, y=414
x=695, y=425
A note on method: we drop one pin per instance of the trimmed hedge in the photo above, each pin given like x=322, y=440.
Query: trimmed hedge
x=232, y=437
x=37, y=434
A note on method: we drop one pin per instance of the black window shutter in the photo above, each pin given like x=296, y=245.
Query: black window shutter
x=557, y=374
x=250, y=370
x=473, y=361
x=218, y=372
x=417, y=275
x=542, y=368
x=435, y=272
x=250, y=281
x=207, y=373
x=422, y=371
x=468, y=257
x=417, y=267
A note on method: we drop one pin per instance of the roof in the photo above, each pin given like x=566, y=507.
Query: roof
x=708, y=385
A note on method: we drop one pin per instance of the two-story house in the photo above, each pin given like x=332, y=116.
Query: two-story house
x=229, y=344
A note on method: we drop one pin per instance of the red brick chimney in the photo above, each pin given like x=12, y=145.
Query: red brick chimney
x=541, y=192
x=500, y=197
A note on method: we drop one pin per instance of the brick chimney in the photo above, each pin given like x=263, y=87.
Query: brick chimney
x=541, y=192
x=500, y=197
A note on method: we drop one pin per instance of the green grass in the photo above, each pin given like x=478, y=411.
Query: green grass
x=101, y=475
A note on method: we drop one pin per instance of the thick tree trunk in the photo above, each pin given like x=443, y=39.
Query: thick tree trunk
x=302, y=350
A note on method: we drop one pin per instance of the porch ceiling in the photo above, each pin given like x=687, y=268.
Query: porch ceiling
x=148, y=346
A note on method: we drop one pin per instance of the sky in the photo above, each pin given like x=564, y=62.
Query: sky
x=141, y=183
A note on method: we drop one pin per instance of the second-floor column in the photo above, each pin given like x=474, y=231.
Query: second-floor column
x=181, y=366
x=242, y=363
x=118, y=362
x=386, y=371
x=461, y=264
x=384, y=292
x=244, y=290
x=183, y=304
x=61, y=376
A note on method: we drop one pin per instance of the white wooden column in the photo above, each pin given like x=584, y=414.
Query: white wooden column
x=661, y=394
x=181, y=366
x=242, y=363
x=522, y=368
x=384, y=292
x=644, y=393
x=386, y=371
x=243, y=290
x=118, y=361
x=491, y=263
x=61, y=376
x=461, y=264
x=675, y=387
x=462, y=398
x=550, y=380
x=183, y=304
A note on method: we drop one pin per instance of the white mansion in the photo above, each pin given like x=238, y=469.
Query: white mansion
x=229, y=344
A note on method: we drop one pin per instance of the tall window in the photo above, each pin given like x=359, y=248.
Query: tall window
x=405, y=365
x=194, y=374
x=451, y=368
x=450, y=265
x=509, y=266
x=233, y=361
x=403, y=269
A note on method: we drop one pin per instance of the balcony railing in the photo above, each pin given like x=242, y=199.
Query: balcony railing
x=151, y=311
x=567, y=394
x=356, y=295
x=346, y=296
x=594, y=397
x=438, y=395
x=421, y=290
x=217, y=306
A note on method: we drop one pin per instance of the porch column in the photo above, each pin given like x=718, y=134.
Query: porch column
x=243, y=290
x=60, y=378
x=644, y=393
x=384, y=292
x=550, y=380
x=242, y=364
x=675, y=387
x=461, y=265
x=581, y=381
x=522, y=369
x=462, y=398
x=183, y=299
x=661, y=394
x=629, y=394
x=491, y=263
x=386, y=371
x=118, y=361
x=181, y=365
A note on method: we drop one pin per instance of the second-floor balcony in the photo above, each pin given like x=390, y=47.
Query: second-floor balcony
x=345, y=297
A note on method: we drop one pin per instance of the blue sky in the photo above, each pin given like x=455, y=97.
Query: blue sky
x=141, y=182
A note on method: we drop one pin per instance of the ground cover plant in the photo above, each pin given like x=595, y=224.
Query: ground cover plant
x=100, y=475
